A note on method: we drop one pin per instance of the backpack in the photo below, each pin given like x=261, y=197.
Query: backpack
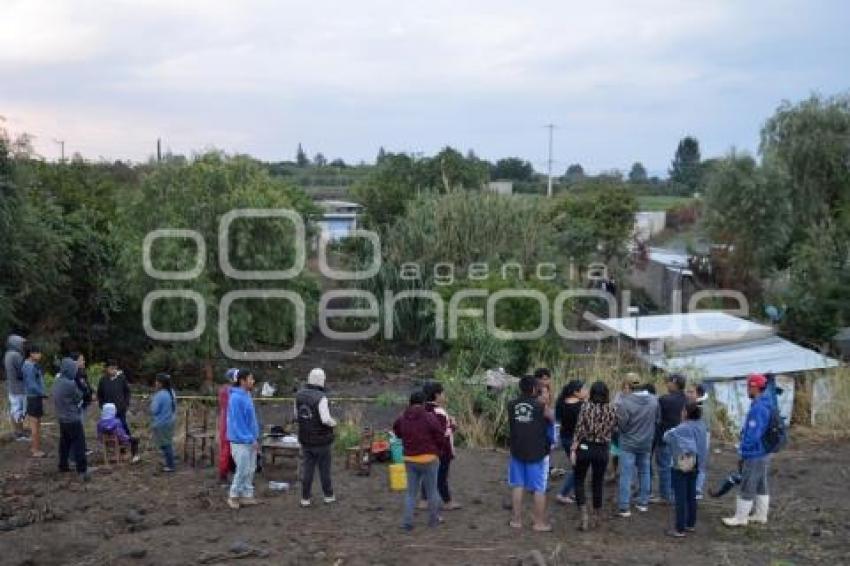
x=775, y=436
x=686, y=462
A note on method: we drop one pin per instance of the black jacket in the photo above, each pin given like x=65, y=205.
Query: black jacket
x=312, y=432
x=669, y=412
x=527, y=423
x=114, y=390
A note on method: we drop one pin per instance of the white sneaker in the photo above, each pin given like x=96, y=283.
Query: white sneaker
x=331, y=499
x=305, y=503
x=642, y=508
x=136, y=459
x=625, y=514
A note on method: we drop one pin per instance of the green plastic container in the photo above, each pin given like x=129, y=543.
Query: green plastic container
x=396, y=450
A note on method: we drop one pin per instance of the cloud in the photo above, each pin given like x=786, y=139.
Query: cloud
x=626, y=78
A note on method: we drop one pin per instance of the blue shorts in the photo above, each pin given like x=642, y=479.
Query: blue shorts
x=532, y=476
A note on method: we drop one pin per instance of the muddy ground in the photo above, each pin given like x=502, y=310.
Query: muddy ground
x=132, y=514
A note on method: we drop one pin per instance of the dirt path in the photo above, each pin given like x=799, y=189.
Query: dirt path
x=134, y=515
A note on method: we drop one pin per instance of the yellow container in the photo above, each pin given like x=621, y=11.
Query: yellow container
x=398, y=477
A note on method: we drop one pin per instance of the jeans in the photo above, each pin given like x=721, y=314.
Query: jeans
x=246, y=463
x=703, y=466
x=629, y=461
x=595, y=457
x=421, y=475
x=664, y=464
x=754, y=480
x=316, y=456
x=72, y=438
x=442, y=481
x=168, y=455
x=570, y=476
x=685, y=489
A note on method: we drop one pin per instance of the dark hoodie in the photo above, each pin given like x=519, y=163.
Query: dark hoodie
x=67, y=397
x=420, y=431
x=13, y=361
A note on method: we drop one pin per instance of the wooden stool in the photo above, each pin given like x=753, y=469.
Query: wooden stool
x=198, y=436
x=109, y=442
x=359, y=458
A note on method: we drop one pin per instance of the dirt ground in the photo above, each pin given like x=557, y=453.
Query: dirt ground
x=135, y=515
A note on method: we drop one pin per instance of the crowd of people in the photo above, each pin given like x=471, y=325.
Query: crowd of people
x=635, y=431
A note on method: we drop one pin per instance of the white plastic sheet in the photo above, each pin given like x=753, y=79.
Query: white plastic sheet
x=732, y=395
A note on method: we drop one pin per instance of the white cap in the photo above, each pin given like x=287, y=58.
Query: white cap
x=316, y=377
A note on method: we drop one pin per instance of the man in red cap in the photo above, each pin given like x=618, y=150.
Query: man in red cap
x=754, y=456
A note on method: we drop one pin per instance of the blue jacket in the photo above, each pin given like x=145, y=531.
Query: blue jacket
x=242, y=427
x=690, y=437
x=163, y=409
x=755, y=425
x=33, y=379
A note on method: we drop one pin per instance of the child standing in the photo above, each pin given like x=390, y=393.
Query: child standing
x=687, y=442
x=36, y=393
x=163, y=411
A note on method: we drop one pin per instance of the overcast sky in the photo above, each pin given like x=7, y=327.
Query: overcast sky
x=623, y=81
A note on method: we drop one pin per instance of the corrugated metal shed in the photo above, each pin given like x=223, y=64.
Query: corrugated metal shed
x=729, y=361
x=706, y=324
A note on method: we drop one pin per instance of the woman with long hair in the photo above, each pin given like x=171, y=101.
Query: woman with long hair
x=567, y=407
x=591, y=444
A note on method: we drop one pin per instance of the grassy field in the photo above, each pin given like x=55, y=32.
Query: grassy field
x=651, y=203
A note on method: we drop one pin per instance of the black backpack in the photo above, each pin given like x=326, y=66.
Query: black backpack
x=776, y=434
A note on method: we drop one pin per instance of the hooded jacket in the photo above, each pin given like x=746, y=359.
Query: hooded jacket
x=33, y=379
x=242, y=427
x=67, y=398
x=636, y=416
x=688, y=438
x=13, y=362
x=110, y=424
x=755, y=425
x=420, y=431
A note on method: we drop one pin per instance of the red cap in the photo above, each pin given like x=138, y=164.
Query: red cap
x=756, y=380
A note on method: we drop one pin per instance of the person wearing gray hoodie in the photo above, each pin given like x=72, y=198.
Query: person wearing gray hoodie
x=637, y=412
x=13, y=361
x=68, y=401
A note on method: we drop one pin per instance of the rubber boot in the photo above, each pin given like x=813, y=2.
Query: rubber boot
x=584, y=521
x=742, y=514
x=760, y=509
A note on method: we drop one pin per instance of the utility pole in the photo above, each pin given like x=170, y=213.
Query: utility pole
x=158, y=150
x=551, y=128
x=61, y=150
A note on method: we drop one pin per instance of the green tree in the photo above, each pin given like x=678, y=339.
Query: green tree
x=637, y=174
x=574, y=174
x=512, y=168
x=810, y=141
x=382, y=154
x=685, y=167
x=748, y=207
x=195, y=197
x=301, y=158
x=319, y=160
x=450, y=171
x=595, y=221
x=385, y=192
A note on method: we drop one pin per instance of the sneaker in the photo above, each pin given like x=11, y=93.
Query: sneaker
x=22, y=438
x=305, y=503
x=248, y=501
x=329, y=500
x=136, y=459
x=452, y=506
x=675, y=534
x=642, y=508
x=233, y=503
x=564, y=499
x=89, y=452
x=167, y=470
x=624, y=514
x=700, y=496
x=38, y=454
x=691, y=529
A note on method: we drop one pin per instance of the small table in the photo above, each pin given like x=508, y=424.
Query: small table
x=273, y=446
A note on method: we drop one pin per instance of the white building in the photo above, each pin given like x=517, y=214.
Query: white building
x=338, y=219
